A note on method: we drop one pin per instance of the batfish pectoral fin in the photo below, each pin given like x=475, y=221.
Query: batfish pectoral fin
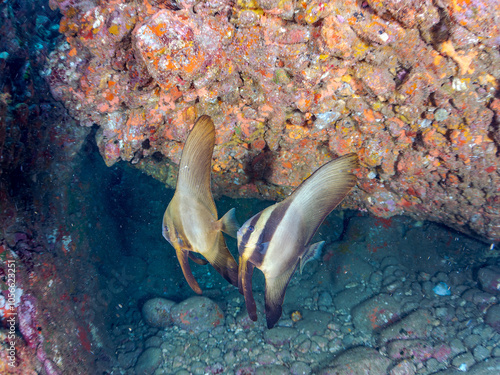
x=222, y=260
x=275, y=294
x=312, y=252
x=183, y=257
x=245, y=273
x=228, y=222
x=196, y=259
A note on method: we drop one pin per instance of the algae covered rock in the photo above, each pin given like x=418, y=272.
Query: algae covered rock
x=197, y=314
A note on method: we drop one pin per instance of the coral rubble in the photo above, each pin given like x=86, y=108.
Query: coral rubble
x=409, y=86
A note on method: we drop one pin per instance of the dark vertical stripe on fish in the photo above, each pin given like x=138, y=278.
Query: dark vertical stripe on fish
x=269, y=227
x=248, y=233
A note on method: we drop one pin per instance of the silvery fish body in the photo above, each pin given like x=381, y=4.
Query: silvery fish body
x=190, y=221
x=277, y=239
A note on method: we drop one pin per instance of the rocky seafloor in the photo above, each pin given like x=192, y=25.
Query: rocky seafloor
x=387, y=297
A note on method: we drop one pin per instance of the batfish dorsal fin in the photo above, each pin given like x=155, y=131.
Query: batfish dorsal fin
x=319, y=194
x=275, y=294
x=222, y=260
x=196, y=163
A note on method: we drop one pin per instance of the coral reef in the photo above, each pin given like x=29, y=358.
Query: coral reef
x=409, y=87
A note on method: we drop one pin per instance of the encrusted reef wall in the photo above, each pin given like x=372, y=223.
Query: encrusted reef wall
x=411, y=86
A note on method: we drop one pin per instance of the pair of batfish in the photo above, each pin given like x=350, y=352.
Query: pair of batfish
x=276, y=240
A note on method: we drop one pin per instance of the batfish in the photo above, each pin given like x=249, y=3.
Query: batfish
x=277, y=239
x=190, y=221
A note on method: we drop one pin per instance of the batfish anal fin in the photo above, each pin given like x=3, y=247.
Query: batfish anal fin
x=275, y=295
x=229, y=225
x=222, y=260
x=196, y=259
x=196, y=163
x=245, y=273
x=312, y=252
x=183, y=257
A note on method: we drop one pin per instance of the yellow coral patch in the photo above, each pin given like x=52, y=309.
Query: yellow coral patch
x=461, y=58
x=115, y=30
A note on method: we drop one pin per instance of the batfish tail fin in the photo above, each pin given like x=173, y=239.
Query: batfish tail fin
x=222, y=260
x=245, y=273
x=275, y=295
x=229, y=225
x=183, y=257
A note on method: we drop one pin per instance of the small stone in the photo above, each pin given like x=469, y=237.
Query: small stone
x=325, y=299
x=314, y=322
x=197, y=368
x=376, y=313
x=126, y=359
x=279, y=336
x=356, y=361
x=335, y=345
x=321, y=341
x=492, y=317
x=230, y=358
x=300, y=368
x=153, y=341
x=480, y=353
x=496, y=352
x=433, y=366
x=156, y=312
x=272, y=370
x=414, y=326
x=490, y=367
x=148, y=361
x=266, y=358
x=463, y=360
x=471, y=341
x=441, y=114
x=284, y=356
x=404, y=367
x=457, y=347
x=489, y=278
x=215, y=353
x=304, y=346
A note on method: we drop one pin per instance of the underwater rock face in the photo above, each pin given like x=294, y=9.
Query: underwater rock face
x=408, y=86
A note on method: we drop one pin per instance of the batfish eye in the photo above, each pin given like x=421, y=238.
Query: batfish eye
x=250, y=228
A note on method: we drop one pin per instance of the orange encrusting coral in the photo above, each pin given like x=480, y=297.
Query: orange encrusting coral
x=292, y=86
